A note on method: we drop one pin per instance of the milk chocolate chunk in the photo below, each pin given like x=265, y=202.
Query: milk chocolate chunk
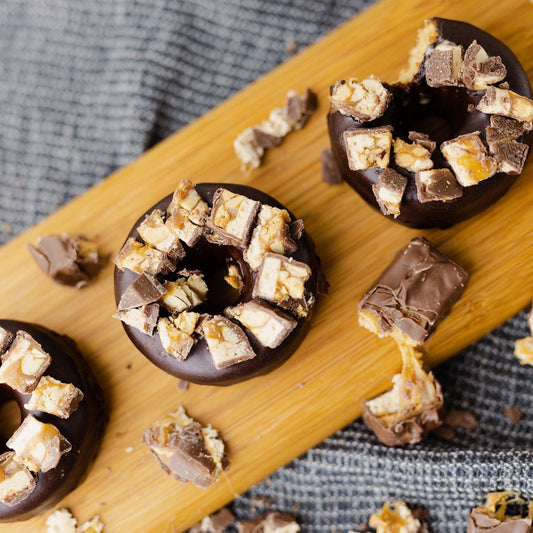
x=186, y=449
x=300, y=108
x=511, y=156
x=503, y=129
x=505, y=102
x=143, y=318
x=6, y=338
x=411, y=409
x=265, y=140
x=396, y=516
x=329, y=170
x=68, y=260
x=143, y=291
x=479, y=70
x=368, y=148
x=16, y=480
x=437, y=184
x=271, y=522
x=389, y=191
x=443, y=67
x=415, y=292
x=215, y=523
x=423, y=140
x=503, y=512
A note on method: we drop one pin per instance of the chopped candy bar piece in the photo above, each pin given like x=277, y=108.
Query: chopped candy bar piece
x=16, y=481
x=184, y=293
x=395, y=517
x=443, y=66
x=24, y=363
x=176, y=334
x=271, y=234
x=61, y=521
x=54, y=397
x=272, y=522
x=232, y=216
x=504, y=102
x=37, y=445
x=412, y=157
x=215, y=523
x=140, y=258
x=226, y=341
x=93, y=525
x=423, y=140
x=511, y=156
x=142, y=318
x=143, y=291
x=270, y=326
x=159, y=234
x=389, y=191
x=469, y=159
x=503, y=129
x=264, y=140
x=282, y=280
x=234, y=277
x=6, y=338
x=415, y=292
x=185, y=449
x=523, y=349
x=363, y=100
x=409, y=410
x=437, y=184
x=187, y=213
x=329, y=169
x=479, y=70
x=300, y=108
x=368, y=148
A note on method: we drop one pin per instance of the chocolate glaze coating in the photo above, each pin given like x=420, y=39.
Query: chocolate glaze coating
x=211, y=260
x=84, y=428
x=445, y=117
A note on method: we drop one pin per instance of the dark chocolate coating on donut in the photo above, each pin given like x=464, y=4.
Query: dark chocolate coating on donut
x=209, y=258
x=84, y=428
x=446, y=116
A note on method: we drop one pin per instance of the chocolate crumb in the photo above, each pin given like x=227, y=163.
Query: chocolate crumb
x=291, y=46
x=182, y=385
x=460, y=418
x=330, y=171
x=128, y=366
x=513, y=414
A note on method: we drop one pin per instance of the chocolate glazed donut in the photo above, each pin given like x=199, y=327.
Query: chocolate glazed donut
x=84, y=427
x=443, y=113
x=212, y=260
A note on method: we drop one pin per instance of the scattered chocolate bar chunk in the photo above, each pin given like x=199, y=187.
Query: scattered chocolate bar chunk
x=469, y=159
x=504, y=102
x=413, y=157
x=269, y=325
x=368, y=148
x=142, y=318
x=24, y=363
x=511, y=156
x=389, y=191
x=68, y=260
x=460, y=418
x=37, y=445
x=437, y=185
x=186, y=449
x=513, y=414
x=176, y=334
x=271, y=522
x=16, y=480
x=503, y=512
x=93, y=525
x=143, y=291
x=6, y=338
x=523, y=348
x=161, y=234
x=265, y=140
x=62, y=521
x=215, y=523
x=423, y=140
x=141, y=258
x=182, y=385
x=411, y=409
x=300, y=108
x=329, y=170
x=54, y=397
x=415, y=292
x=363, y=100
x=186, y=292
x=227, y=342
x=395, y=516
x=479, y=70
x=503, y=129
x=443, y=66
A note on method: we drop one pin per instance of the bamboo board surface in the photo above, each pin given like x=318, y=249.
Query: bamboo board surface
x=268, y=421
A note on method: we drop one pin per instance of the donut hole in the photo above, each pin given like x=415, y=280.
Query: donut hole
x=10, y=418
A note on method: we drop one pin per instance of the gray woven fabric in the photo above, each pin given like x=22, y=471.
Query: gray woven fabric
x=85, y=87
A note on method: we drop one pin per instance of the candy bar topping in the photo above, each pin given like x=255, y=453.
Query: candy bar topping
x=142, y=318
x=395, y=517
x=505, y=102
x=188, y=291
x=16, y=480
x=6, y=338
x=54, y=397
x=368, y=148
x=412, y=157
x=437, y=184
x=143, y=291
x=176, y=334
x=479, y=70
x=141, y=258
x=443, y=67
x=389, y=191
x=160, y=234
x=186, y=449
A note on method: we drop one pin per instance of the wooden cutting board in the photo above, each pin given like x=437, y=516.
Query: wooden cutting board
x=268, y=421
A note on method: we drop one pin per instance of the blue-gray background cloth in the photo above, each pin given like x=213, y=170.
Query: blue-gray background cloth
x=86, y=87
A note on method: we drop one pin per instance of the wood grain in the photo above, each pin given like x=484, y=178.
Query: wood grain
x=270, y=420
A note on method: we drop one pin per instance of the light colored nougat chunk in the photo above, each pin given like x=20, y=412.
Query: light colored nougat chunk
x=176, y=334
x=185, y=293
x=16, y=481
x=159, y=234
x=54, y=397
x=141, y=258
x=368, y=148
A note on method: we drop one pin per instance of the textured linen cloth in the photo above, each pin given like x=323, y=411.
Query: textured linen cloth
x=85, y=87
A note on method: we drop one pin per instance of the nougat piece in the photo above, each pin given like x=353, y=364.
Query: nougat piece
x=37, y=445
x=368, y=148
x=478, y=70
x=227, y=343
x=437, y=185
x=186, y=292
x=6, y=338
x=395, y=517
x=281, y=280
x=93, y=525
x=16, y=481
x=141, y=258
x=511, y=156
x=54, y=397
x=389, y=191
x=272, y=522
x=267, y=324
x=143, y=291
x=234, y=277
x=415, y=292
x=186, y=449
x=443, y=66
x=271, y=234
x=413, y=157
x=187, y=213
x=232, y=216
x=523, y=349
x=24, y=363
x=503, y=512
x=505, y=102
x=410, y=409
x=160, y=234
x=143, y=318
x=363, y=100
x=469, y=159
x=176, y=334
x=215, y=523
